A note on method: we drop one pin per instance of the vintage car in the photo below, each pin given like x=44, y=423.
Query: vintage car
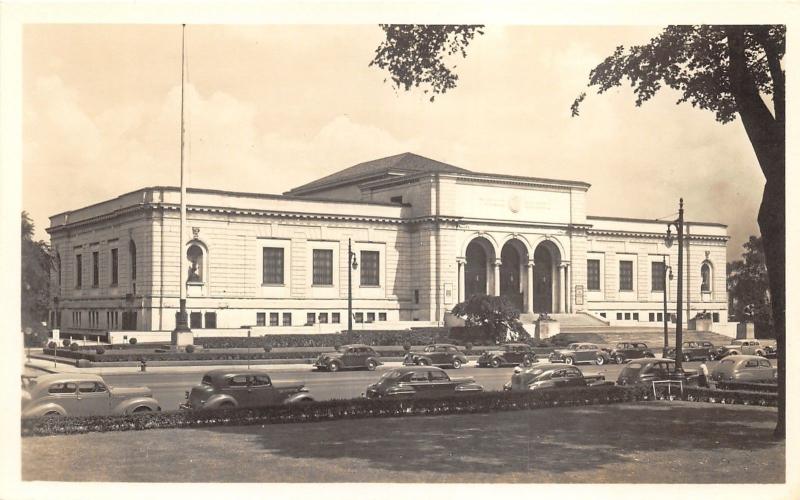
x=771, y=351
x=752, y=347
x=544, y=376
x=647, y=370
x=630, y=350
x=419, y=381
x=580, y=352
x=744, y=368
x=232, y=388
x=693, y=350
x=77, y=394
x=508, y=354
x=349, y=356
x=437, y=355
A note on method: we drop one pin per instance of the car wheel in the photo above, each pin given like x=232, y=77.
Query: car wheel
x=371, y=365
x=141, y=409
x=456, y=364
x=226, y=405
x=526, y=361
x=600, y=360
x=619, y=359
x=760, y=353
x=424, y=362
x=569, y=360
x=52, y=414
x=495, y=363
x=334, y=366
x=686, y=358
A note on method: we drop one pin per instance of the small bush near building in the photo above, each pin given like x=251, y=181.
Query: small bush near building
x=190, y=348
x=267, y=348
x=66, y=342
x=100, y=350
x=51, y=345
x=73, y=347
x=133, y=341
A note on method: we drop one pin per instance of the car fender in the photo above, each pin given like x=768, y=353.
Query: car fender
x=420, y=359
x=298, y=398
x=40, y=410
x=376, y=360
x=469, y=387
x=217, y=399
x=129, y=405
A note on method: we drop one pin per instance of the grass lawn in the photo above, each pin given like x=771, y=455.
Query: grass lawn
x=674, y=442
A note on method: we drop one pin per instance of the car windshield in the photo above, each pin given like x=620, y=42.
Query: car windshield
x=634, y=366
x=430, y=348
x=391, y=374
x=207, y=380
x=536, y=372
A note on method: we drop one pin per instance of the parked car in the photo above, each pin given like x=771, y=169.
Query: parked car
x=693, y=350
x=508, y=354
x=550, y=376
x=647, y=370
x=752, y=347
x=437, y=355
x=580, y=352
x=349, y=356
x=231, y=388
x=77, y=394
x=771, y=351
x=630, y=350
x=419, y=381
x=744, y=368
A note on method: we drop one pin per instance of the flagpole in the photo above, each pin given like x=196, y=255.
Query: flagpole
x=182, y=335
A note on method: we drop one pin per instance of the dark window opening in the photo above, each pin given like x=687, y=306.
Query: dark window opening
x=211, y=319
x=287, y=319
x=272, y=273
x=195, y=320
x=322, y=267
x=261, y=319
x=273, y=319
x=626, y=275
x=593, y=274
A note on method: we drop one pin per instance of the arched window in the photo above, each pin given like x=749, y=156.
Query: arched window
x=705, y=277
x=194, y=255
x=132, y=258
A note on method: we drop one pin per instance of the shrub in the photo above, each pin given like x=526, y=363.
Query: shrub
x=267, y=348
x=469, y=346
x=73, y=347
x=337, y=346
x=66, y=342
x=100, y=350
x=190, y=348
x=51, y=345
x=498, y=318
x=133, y=341
x=407, y=347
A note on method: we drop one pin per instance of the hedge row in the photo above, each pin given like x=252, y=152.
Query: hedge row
x=114, y=356
x=748, y=386
x=336, y=410
x=416, y=336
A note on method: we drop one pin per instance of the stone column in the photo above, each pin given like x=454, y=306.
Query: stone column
x=567, y=303
x=562, y=281
x=496, y=283
x=462, y=264
x=530, y=287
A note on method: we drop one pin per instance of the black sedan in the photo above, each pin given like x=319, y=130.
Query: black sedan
x=550, y=376
x=419, y=381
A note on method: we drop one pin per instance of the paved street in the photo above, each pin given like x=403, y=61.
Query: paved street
x=170, y=387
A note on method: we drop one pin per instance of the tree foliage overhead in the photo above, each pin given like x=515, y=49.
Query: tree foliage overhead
x=496, y=316
x=417, y=55
x=35, y=279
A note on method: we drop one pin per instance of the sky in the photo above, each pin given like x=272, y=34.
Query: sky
x=269, y=108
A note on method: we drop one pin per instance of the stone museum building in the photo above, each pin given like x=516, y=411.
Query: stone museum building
x=424, y=235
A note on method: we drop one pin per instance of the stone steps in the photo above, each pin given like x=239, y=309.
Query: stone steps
x=652, y=337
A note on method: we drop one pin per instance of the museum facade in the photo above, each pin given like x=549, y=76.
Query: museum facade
x=423, y=234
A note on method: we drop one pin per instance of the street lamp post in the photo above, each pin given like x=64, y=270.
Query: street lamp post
x=352, y=265
x=678, y=223
x=666, y=334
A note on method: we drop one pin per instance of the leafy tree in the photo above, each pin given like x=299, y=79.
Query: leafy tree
x=748, y=285
x=496, y=316
x=729, y=70
x=35, y=282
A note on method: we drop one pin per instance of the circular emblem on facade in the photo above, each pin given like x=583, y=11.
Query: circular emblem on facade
x=514, y=203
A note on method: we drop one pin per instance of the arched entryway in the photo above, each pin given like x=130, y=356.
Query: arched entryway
x=477, y=271
x=546, y=258
x=514, y=260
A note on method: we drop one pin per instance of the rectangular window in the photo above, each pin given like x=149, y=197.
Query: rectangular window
x=273, y=319
x=603, y=315
x=657, y=276
x=195, y=320
x=261, y=319
x=619, y=316
x=114, y=266
x=381, y=316
x=359, y=317
x=396, y=199
x=651, y=317
x=660, y=317
x=627, y=316
x=335, y=318
x=416, y=296
x=310, y=318
x=323, y=317
x=272, y=266
x=78, y=271
x=593, y=274
x=626, y=275
x=95, y=269
x=211, y=319
x=287, y=319
x=715, y=317
x=636, y=316
x=323, y=267
x=370, y=317
x=370, y=268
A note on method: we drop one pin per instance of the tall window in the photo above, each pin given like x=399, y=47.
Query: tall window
x=261, y=319
x=132, y=256
x=95, y=269
x=273, y=319
x=272, y=273
x=58, y=265
x=78, y=271
x=593, y=274
x=370, y=268
x=626, y=275
x=195, y=256
x=323, y=267
x=657, y=276
x=114, y=266
x=211, y=319
x=287, y=319
x=705, y=276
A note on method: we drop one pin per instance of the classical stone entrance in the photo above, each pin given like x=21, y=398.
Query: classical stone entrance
x=545, y=285
x=479, y=256
x=514, y=259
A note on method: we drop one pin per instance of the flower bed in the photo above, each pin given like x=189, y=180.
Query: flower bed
x=335, y=410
